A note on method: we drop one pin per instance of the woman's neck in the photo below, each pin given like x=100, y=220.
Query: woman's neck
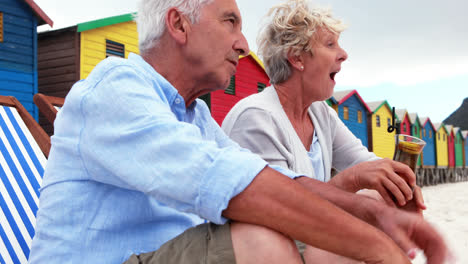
x=293, y=101
x=296, y=109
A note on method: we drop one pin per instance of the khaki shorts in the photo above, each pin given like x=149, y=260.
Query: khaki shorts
x=203, y=244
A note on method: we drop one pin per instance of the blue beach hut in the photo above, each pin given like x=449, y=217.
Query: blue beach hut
x=18, y=50
x=353, y=111
x=428, y=134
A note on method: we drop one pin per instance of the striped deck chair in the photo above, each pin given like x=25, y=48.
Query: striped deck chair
x=48, y=105
x=24, y=147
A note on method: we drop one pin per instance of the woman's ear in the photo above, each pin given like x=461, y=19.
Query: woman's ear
x=296, y=61
x=177, y=25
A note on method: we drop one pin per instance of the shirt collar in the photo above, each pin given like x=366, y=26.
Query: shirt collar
x=170, y=92
x=168, y=89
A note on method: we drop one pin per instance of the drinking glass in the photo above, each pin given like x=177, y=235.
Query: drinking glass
x=407, y=151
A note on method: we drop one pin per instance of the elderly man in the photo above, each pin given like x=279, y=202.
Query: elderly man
x=137, y=164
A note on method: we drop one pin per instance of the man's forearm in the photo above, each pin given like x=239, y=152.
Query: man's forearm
x=277, y=202
x=360, y=206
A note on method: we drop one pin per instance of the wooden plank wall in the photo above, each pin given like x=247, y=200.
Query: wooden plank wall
x=451, y=148
x=359, y=129
x=383, y=142
x=93, y=44
x=442, y=148
x=465, y=152
x=459, y=150
x=58, y=65
x=249, y=73
x=405, y=126
x=429, y=151
x=17, y=53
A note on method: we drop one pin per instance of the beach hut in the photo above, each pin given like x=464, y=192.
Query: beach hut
x=18, y=50
x=353, y=111
x=428, y=134
x=415, y=125
x=333, y=103
x=450, y=145
x=465, y=148
x=69, y=54
x=381, y=142
x=250, y=78
x=403, y=122
x=458, y=142
x=441, y=145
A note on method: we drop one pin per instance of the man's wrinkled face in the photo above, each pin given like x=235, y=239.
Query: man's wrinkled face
x=215, y=43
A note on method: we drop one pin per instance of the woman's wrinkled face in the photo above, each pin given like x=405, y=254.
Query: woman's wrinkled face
x=321, y=68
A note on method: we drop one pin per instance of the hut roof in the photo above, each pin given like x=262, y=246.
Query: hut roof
x=465, y=133
x=339, y=95
x=256, y=59
x=41, y=15
x=438, y=126
x=400, y=113
x=376, y=105
x=103, y=22
x=413, y=117
x=449, y=128
x=342, y=96
x=426, y=119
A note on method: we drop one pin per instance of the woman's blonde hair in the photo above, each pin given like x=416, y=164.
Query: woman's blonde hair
x=289, y=28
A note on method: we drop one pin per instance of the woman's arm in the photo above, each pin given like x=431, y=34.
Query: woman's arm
x=255, y=129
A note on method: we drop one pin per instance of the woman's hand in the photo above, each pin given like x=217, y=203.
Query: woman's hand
x=393, y=180
x=417, y=204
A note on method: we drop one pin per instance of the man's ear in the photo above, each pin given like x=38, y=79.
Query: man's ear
x=177, y=25
x=296, y=61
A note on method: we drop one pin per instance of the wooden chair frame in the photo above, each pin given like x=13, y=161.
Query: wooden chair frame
x=36, y=130
x=46, y=105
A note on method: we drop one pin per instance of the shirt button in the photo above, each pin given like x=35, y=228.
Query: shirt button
x=177, y=101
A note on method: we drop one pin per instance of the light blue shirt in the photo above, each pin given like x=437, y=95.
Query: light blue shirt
x=315, y=155
x=131, y=168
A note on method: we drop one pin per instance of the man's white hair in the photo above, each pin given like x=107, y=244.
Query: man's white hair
x=151, y=17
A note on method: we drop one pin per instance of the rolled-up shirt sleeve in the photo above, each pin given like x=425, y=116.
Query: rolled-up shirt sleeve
x=134, y=140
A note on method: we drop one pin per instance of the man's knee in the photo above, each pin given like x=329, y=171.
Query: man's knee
x=257, y=244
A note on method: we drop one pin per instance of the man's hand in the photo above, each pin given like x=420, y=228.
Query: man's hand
x=410, y=232
x=393, y=180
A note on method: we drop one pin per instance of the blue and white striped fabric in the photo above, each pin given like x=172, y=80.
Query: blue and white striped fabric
x=21, y=169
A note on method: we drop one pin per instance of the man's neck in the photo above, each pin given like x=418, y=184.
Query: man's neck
x=174, y=72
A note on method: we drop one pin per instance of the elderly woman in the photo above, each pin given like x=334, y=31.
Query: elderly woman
x=289, y=124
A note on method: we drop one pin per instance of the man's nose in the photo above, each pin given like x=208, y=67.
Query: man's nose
x=241, y=45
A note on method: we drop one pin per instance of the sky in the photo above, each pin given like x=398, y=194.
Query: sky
x=412, y=53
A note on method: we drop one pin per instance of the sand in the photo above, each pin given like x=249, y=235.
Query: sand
x=448, y=212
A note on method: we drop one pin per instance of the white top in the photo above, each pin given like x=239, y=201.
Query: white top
x=316, y=158
x=260, y=124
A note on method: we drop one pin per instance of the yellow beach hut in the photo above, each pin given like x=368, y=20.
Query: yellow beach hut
x=381, y=142
x=113, y=36
x=68, y=55
x=441, y=145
